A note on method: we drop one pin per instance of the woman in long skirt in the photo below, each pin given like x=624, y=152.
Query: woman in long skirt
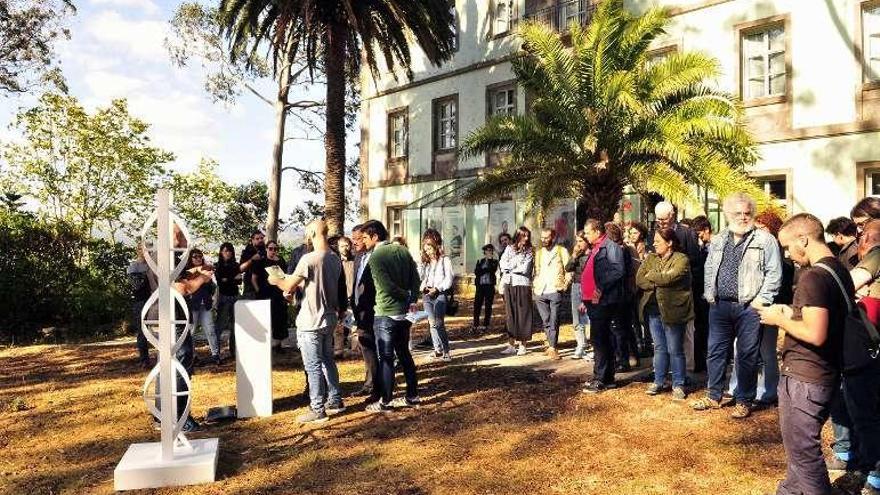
x=517, y=264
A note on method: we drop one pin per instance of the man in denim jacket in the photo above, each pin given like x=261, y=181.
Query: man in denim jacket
x=743, y=271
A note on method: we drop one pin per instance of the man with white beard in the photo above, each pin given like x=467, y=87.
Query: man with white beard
x=743, y=272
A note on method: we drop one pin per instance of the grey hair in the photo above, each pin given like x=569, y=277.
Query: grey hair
x=664, y=208
x=740, y=198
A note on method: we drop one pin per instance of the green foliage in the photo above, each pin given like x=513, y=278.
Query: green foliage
x=603, y=117
x=29, y=30
x=91, y=171
x=53, y=276
x=247, y=212
x=203, y=199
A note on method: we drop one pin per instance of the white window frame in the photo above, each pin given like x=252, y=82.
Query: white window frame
x=871, y=51
x=764, y=55
x=395, y=220
x=502, y=17
x=509, y=105
x=447, y=113
x=398, y=135
x=869, y=182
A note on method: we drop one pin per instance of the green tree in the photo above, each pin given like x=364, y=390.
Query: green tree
x=28, y=32
x=603, y=118
x=246, y=213
x=92, y=171
x=203, y=199
x=336, y=35
x=195, y=36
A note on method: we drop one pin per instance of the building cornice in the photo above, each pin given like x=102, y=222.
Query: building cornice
x=444, y=75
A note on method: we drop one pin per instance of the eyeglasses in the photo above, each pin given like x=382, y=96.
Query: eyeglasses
x=271, y=249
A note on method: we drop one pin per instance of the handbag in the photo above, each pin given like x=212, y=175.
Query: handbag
x=857, y=321
x=451, y=302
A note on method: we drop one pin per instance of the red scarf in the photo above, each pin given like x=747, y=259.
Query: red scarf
x=588, y=278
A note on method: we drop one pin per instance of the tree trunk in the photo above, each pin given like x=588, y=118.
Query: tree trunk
x=334, y=137
x=280, y=107
x=600, y=199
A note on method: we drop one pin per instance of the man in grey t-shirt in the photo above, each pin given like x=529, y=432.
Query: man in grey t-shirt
x=320, y=275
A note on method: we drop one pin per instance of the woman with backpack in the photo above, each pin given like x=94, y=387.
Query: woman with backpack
x=436, y=273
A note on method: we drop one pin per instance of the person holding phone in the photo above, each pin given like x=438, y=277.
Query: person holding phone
x=435, y=271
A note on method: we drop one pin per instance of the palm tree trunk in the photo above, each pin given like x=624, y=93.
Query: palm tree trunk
x=334, y=137
x=280, y=107
x=600, y=199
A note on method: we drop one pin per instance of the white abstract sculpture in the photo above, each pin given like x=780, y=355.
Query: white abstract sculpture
x=253, y=358
x=175, y=460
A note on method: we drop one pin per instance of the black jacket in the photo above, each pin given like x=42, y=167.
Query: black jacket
x=364, y=309
x=486, y=267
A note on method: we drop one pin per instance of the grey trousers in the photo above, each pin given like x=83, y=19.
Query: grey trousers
x=803, y=409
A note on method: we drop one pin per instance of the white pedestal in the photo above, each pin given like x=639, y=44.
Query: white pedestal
x=253, y=358
x=142, y=466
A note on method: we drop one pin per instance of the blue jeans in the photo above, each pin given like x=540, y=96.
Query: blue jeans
x=861, y=393
x=226, y=318
x=728, y=321
x=578, y=319
x=768, y=372
x=316, y=347
x=202, y=317
x=392, y=337
x=436, y=309
x=668, y=350
x=548, y=308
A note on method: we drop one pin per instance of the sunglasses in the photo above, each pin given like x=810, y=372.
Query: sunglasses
x=271, y=249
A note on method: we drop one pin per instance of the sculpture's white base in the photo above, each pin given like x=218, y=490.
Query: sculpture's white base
x=142, y=466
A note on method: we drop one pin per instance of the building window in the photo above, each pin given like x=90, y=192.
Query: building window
x=502, y=101
x=503, y=16
x=398, y=134
x=395, y=220
x=871, y=42
x=763, y=62
x=872, y=182
x=455, y=30
x=445, y=123
x=654, y=57
x=777, y=187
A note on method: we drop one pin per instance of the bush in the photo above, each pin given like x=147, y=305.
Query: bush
x=51, y=276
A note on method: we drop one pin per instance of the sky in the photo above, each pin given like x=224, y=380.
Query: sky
x=117, y=50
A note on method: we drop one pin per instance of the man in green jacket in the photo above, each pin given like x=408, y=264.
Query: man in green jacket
x=397, y=287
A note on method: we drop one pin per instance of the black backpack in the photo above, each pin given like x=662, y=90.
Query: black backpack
x=861, y=342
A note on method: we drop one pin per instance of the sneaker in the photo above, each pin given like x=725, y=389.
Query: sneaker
x=312, y=417
x=379, y=406
x=654, y=389
x=402, y=402
x=522, y=351
x=191, y=425
x=509, y=350
x=588, y=356
x=578, y=353
x=553, y=354
x=332, y=409
x=741, y=411
x=595, y=387
x=446, y=357
x=678, y=393
x=837, y=464
x=705, y=404
x=436, y=355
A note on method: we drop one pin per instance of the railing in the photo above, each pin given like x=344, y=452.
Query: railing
x=561, y=15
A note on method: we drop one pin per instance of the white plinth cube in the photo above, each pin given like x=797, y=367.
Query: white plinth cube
x=142, y=466
x=253, y=358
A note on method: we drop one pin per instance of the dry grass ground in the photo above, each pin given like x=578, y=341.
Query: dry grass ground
x=487, y=427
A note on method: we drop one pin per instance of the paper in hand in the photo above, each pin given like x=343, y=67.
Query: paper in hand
x=417, y=316
x=275, y=271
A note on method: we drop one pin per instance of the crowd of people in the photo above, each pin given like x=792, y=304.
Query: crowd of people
x=693, y=299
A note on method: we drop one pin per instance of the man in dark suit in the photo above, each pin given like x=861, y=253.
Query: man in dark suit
x=363, y=302
x=484, y=278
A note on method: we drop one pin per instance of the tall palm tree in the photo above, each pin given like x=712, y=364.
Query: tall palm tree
x=338, y=35
x=603, y=117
